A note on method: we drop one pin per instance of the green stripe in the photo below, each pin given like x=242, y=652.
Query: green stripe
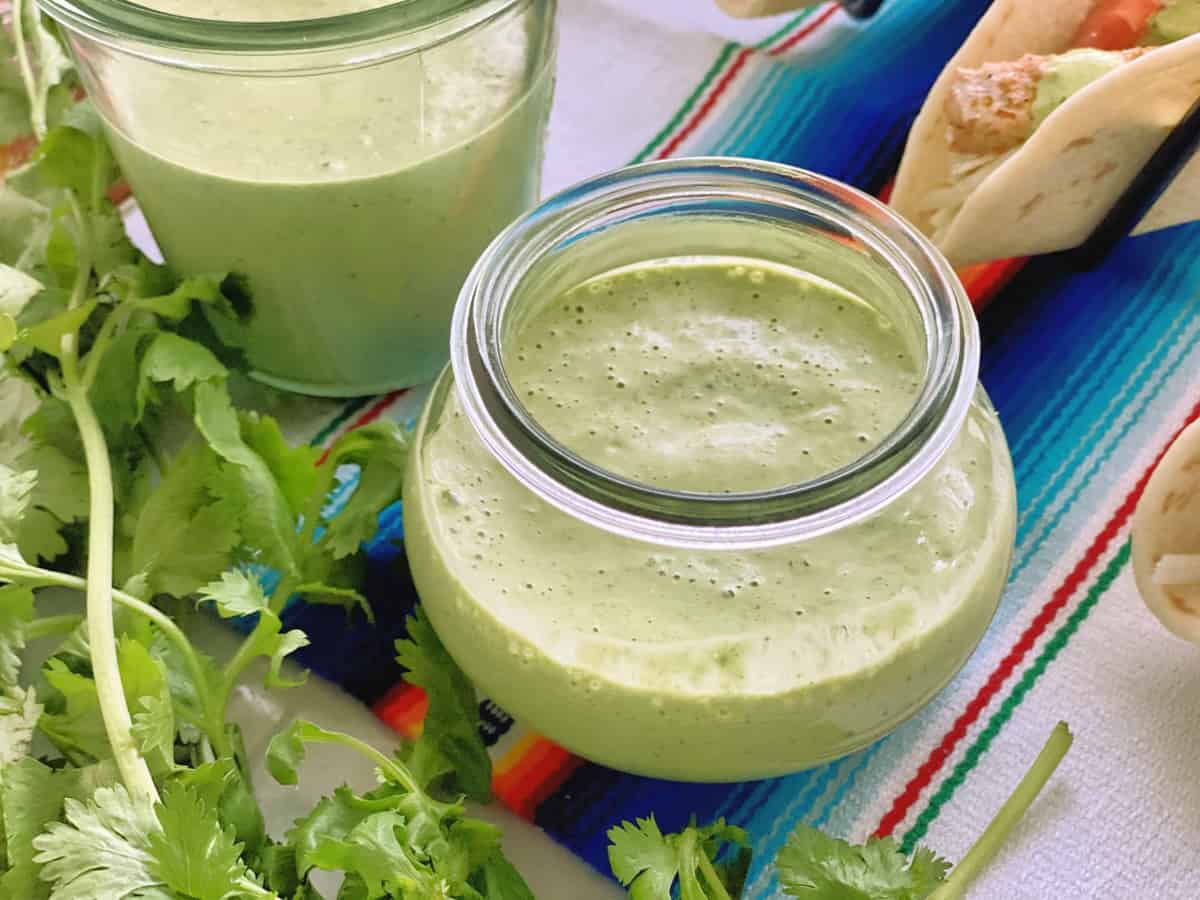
x=726, y=52
x=1001, y=717
x=336, y=422
x=782, y=32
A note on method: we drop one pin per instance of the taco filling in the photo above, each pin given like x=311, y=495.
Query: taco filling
x=992, y=110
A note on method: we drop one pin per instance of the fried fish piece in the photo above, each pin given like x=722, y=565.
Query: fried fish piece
x=991, y=109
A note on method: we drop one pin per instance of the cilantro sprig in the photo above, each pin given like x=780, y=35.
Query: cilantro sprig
x=813, y=865
x=129, y=475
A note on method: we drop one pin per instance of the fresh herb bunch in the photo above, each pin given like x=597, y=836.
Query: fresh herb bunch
x=125, y=462
x=812, y=865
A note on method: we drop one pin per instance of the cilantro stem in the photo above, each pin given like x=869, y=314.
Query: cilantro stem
x=37, y=111
x=98, y=589
x=245, y=655
x=395, y=772
x=49, y=626
x=283, y=590
x=99, y=592
x=254, y=891
x=997, y=832
x=711, y=876
x=95, y=355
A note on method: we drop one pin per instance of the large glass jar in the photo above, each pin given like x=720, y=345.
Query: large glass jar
x=349, y=166
x=836, y=521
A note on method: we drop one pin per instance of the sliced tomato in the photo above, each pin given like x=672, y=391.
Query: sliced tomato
x=1116, y=24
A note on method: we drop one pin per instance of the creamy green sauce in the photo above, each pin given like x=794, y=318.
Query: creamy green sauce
x=1177, y=20
x=804, y=378
x=353, y=204
x=1069, y=74
x=704, y=664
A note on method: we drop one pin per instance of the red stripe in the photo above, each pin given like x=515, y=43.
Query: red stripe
x=731, y=73
x=403, y=708
x=931, y=766
x=373, y=413
x=559, y=766
x=805, y=31
x=706, y=107
x=985, y=281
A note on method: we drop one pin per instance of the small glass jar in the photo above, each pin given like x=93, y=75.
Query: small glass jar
x=721, y=635
x=348, y=169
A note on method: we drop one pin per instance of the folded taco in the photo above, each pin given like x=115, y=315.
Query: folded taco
x=1043, y=118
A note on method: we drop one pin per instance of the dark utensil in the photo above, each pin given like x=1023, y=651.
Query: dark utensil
x=861, y=9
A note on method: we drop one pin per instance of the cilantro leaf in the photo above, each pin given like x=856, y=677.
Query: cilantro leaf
x=498, y=879
x=24, y=227
x=185, y=692
x=334, y=816
x=236, y=594
x=331, y=595
x=814, y=866
x=36, y=503
x=75, y=157
x=372, y=852
x=16, y=289
x=642, y=859
x=380, y=450
x=115, y=390
x=175, y=305
x=294, y=468
x=651, y=864
x=193, y=855
x=19, y=714
x=47, y=335
x=16, y=493
x=16, y=611
x=185, y=535
x=174, y=360
x=267, y=640
x=61, y=484
x=73, y=721
x=267, y=523
x=102, y=851
x=286, y=751
x=41, y=536
x=452, y=722
x=153, y=729
x=32, y=796
x=222, y=786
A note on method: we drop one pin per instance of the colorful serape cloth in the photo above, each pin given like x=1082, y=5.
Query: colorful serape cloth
x=1092, y=374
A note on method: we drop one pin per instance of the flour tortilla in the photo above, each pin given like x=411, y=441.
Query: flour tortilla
x=1167, y=521
x=1053, y=191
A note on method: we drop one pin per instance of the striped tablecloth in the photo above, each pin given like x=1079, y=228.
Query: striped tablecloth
x=1092, y=373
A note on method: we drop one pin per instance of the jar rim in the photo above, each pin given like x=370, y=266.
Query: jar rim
x=110, y=21
x=715, y=520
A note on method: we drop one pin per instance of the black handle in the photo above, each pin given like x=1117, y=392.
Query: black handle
x=861, y=9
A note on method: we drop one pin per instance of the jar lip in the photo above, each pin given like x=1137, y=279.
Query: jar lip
x=725, y=520
x=122, y=20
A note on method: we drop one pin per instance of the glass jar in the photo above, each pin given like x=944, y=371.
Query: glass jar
x=714, y=626
x=348, y=169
